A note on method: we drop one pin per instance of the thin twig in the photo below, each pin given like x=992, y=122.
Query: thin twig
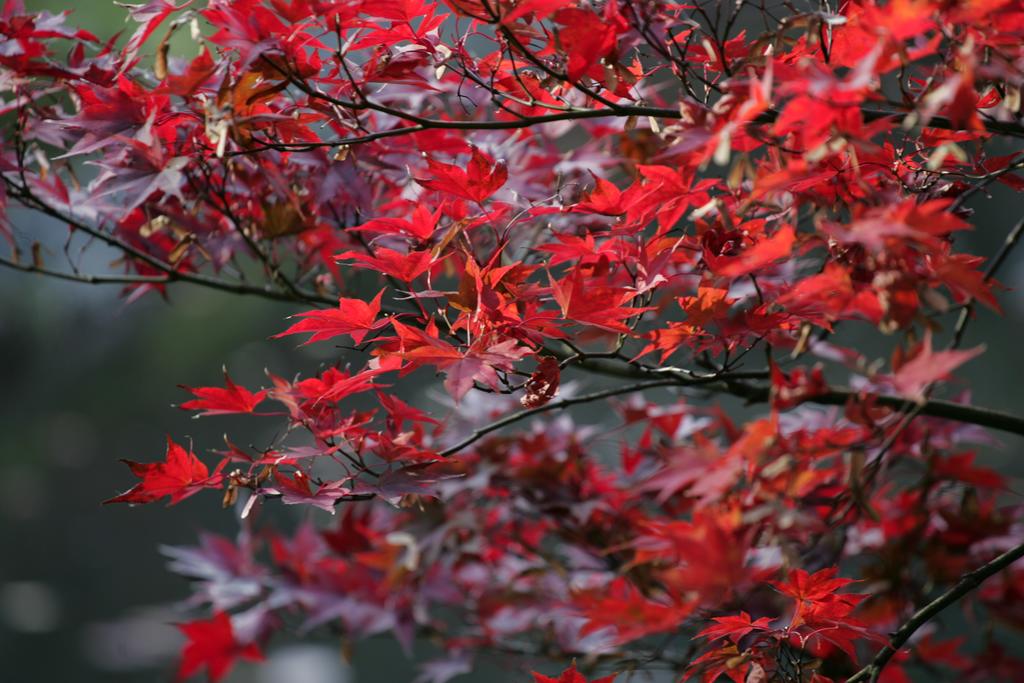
x=555, y=405
x=967, y=583
x=1012, y=238
x=85, y=278
x=172, y=273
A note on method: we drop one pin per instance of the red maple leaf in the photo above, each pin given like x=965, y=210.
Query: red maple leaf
x=709, y=306
x=605, y=199
x=924, y=223
x=480, y=180
x=298, y=490
x=423, y=347
x=181, y=475
x=600, y=306
x=591, y=36
x=479, y=363
x=334, y=385
x=960, y=274
x=763, y=253
x=632, y=614
x=829, y=296
x=405, y=267
x=223, y=400
x=815, y=595
x=199, y=71
x=734, y=627
x=353, y=317
x=540, y=9
x=542, y=385
x=914, y=376
x=793, y=388
x=802, y=585
x=727, y=661
x=570, y=675
x=212, y=644
x=961, y=467
x=421, y=223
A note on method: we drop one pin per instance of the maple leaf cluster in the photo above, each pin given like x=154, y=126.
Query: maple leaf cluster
x=644, y=206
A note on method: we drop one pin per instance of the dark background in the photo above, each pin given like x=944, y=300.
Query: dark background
x=86, y=380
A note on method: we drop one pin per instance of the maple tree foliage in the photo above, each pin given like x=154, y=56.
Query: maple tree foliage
x=665, y=209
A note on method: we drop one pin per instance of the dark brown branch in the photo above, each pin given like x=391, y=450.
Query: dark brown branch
x=611, y=110
x=273, y=268
x=84, y=277
x=554, y=405
x=622, y=111
x=341, y=142
x=171, y=272
x=1012, y=238
x=751, y=393
x=947, y=410
x=967, y=583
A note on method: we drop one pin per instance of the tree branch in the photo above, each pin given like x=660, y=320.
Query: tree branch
x=610, y=110
x=947, y=410
x=622, y=111
x=967, y=583
x=836, y=396
x=554, y=405
x=84, y=277
x=171, y=272
x=1012, y=238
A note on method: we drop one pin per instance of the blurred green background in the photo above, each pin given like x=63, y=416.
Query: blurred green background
x=86, y=380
